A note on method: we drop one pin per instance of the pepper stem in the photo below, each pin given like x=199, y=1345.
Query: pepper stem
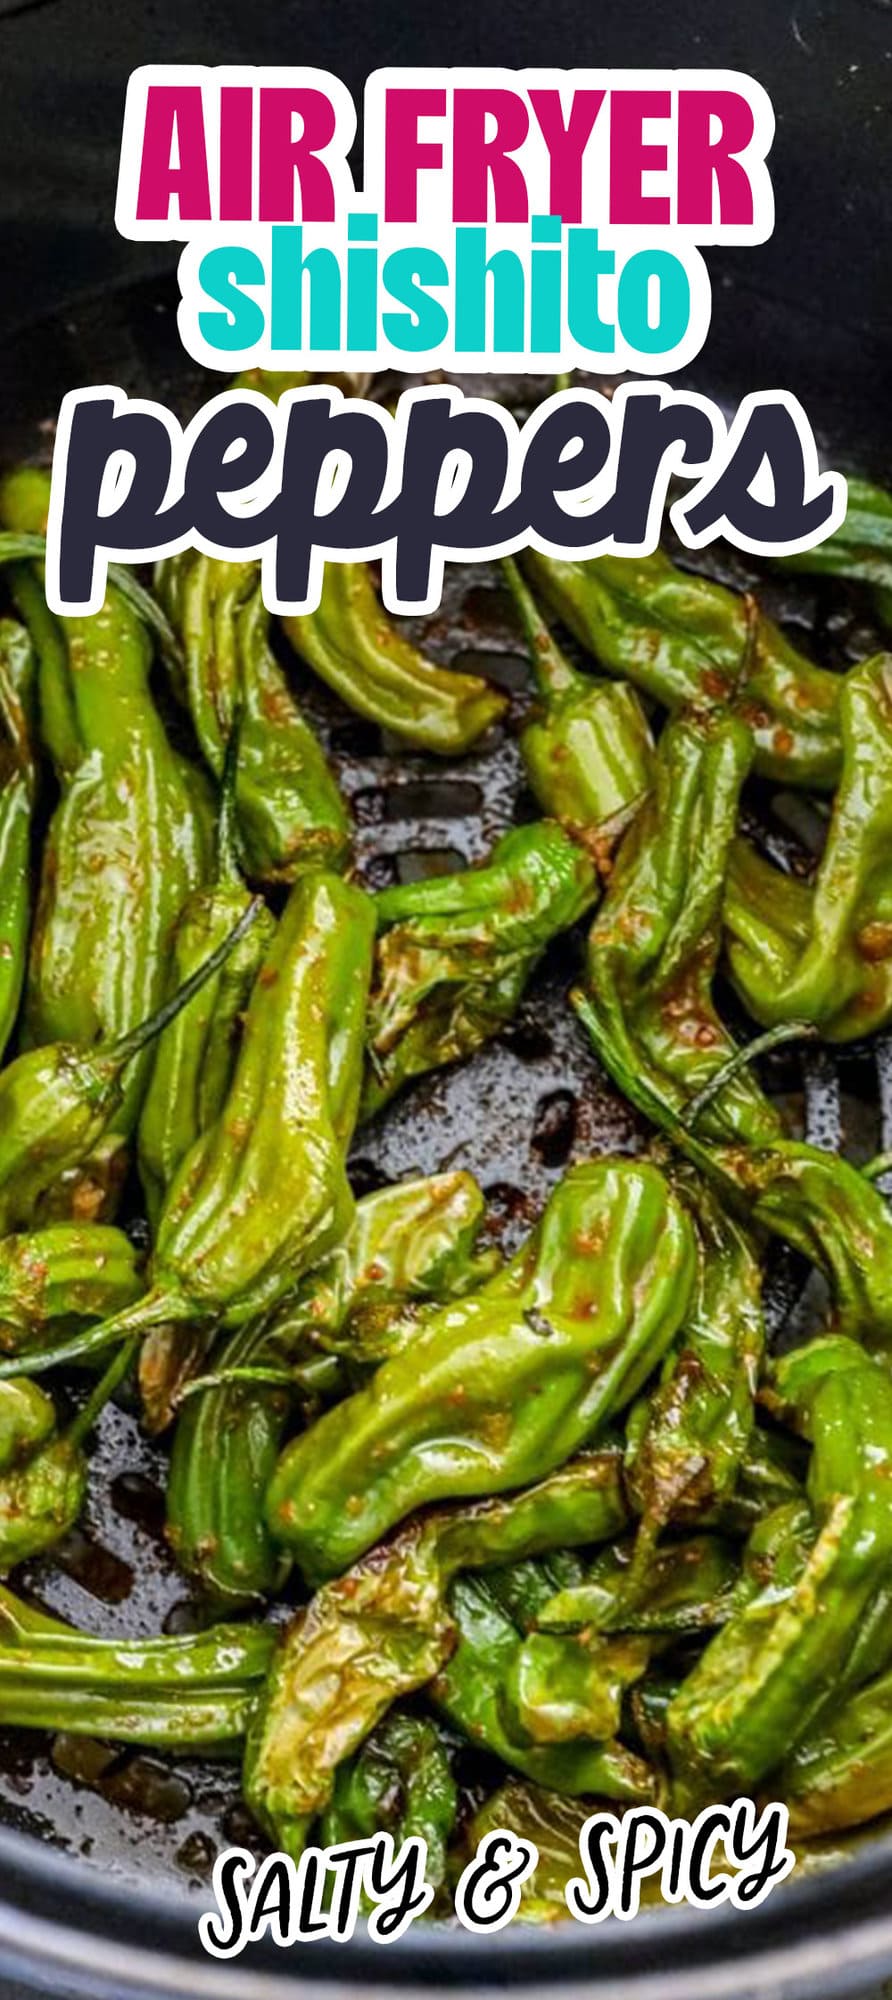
x=278, y=1378
x=554, y=674
x=123, y=1050
x=774, y=1038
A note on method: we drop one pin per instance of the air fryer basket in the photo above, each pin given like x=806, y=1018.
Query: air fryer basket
x=112, y=1848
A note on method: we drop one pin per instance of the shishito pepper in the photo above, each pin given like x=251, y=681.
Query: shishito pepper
x=288, y=808
x=263, y=1194
x=689, y=1439
x=588, y=754
x=822, y=952
x=57, y=1102
x=414, y=1240
x=53, y=1279
x=860, y=551
x=400, y=1782
x=187, y=1693
x=654, y=944
x=688, y=642
x=17, y=786
x=765, y=1680
x=128, y=839
x=454, y=953
x=350, y=642
x=503, y=1385
x=840, y=1775
x=43, y=1471
x=384, y=1630
x=193, y=1059
x=834, y=1215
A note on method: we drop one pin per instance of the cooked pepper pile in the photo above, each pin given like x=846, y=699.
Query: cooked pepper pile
x=557, y=1527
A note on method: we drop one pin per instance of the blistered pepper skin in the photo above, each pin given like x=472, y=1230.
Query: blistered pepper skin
x=688, y=642
x=59, y=1276
x=189, y=1693
x=384, y=1630
x=127, y=842
x=400, y=1782
x=454, y=953
x=764, y=1681
x=17, y=788
x=350, y=642
x=588, y=752
x=822, y=952
x=503, y=1385
x=414, y=1240
x=654, y=944
x=290, y=813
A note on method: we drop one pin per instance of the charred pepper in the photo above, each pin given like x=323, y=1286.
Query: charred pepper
x=822, y=952
x=350, y=642
x=688, y=642
x=454, y=953
x=505, y=1384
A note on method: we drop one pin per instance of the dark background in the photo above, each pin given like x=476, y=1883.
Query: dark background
x=819, y=292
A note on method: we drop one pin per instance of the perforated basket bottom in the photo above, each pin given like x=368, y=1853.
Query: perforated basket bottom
x=516, y=1116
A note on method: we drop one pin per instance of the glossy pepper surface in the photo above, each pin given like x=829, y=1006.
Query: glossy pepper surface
x=400, y=1780
x=653, y=947
x=505, y=1384
x=383, y=1630
x=53, y=1279
x=764, y=1681
x=57, y=1102
x=688, y=642
x=288, y=808
x=414, y=1240
x=194, y=1058
x=352, y=644
x=17, y=788
x=454, y=953
x=822, y=951
x=127, y=842
x=588, y=754
x=189, y=1693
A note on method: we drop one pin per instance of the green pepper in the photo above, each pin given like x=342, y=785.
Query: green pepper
x=653, y=947
x=384, y=1630
x=588, y=755
x=684, y=1587
x=688, y=642
x=17, y=785
x=505, y=1384
x=57, y=1102
x=127, y=842
x=495, y=1684
x=840, y=1774
x=43, y=1474
x=860, y=551
x=834, y=1215
x=288, y=808
x=553, y=1824
x=194, y=1058
x=190, y=1694
x=766, y=1678
x=350, y=642
x=454, y=953
x=401, y=1782
x=689, y=1439
x=412, y=1240
x=57, y=1277
x=823, y=952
